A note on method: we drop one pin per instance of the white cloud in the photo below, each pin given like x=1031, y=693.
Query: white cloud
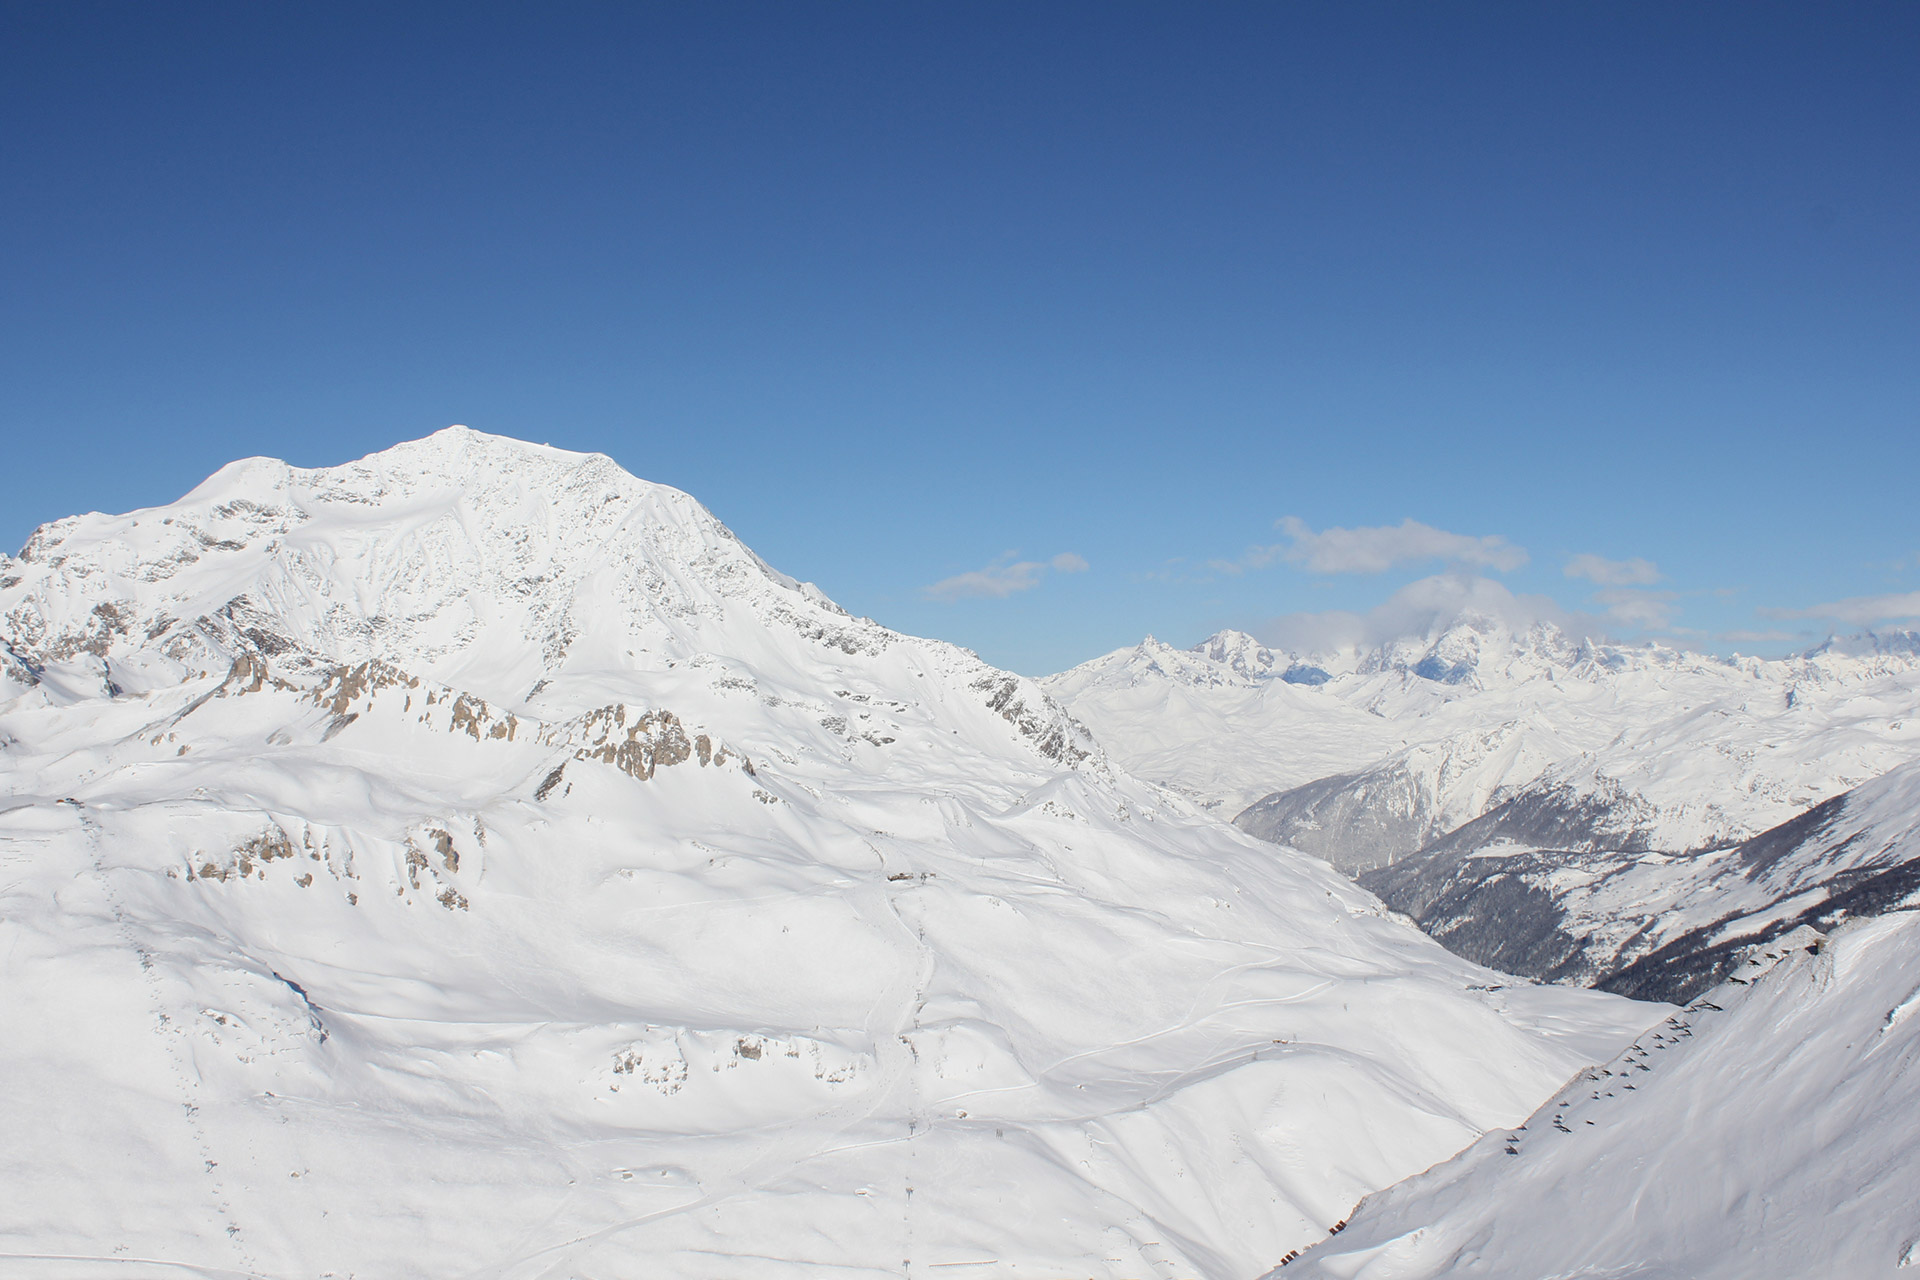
x=1859, y=610
x=1004, y=577
x=1377, y=548
x=1418, y=609
x=1613, y=573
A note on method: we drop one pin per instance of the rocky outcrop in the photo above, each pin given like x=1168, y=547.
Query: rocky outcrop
x=1356, y=821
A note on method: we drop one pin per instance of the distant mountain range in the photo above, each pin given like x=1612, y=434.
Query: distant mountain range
x=1741, y=837
x=1436, y=730
x=1539, y=803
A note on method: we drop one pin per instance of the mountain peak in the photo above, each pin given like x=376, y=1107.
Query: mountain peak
x=464, y=556
x=1239, y=651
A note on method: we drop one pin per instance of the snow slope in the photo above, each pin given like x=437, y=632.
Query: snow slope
x=1647, y=747
x=472, y=861
x=1766, y=1131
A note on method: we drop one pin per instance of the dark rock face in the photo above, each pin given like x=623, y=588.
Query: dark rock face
x=1434, y=667
x=1356, y=821
x=1556, y=817
x=1499, y=909
x=1694, y=963
x=1566, y=885
x=1363, y=821
x=1771, y=846
x=1485, y=889
x=1483, y=894
x=1502, y=921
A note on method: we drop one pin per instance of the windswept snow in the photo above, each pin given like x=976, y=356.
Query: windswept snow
x=472, y=861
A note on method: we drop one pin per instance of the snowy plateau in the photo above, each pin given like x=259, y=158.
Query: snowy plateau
x=473, y=861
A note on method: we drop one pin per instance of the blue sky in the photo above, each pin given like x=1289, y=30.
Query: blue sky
x=1036, y=328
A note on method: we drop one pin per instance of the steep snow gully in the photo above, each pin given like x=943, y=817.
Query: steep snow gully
x=473, y=861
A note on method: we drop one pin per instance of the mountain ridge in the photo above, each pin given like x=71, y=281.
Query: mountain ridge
x=1446, y=725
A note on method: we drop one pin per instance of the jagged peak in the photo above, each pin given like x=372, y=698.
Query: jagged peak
x=1235, y=647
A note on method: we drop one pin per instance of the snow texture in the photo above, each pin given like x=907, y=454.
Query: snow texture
x=473, y=861
x=1765, y=1131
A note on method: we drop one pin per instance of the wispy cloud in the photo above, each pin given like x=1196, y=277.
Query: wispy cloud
x=1377, y=548
x=1631, y=608
x=1613, y=573
x=1859, y=610
x=1625, y=600
x=1004, y=577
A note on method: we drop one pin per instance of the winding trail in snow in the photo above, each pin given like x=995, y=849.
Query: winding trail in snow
x=184, y=1081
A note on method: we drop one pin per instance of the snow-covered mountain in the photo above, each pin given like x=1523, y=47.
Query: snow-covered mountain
x=1610, y=747
x=474, y=860
x=1764, y=1133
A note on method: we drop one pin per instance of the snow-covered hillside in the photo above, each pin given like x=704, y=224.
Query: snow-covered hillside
x=473, y=861
x=1767, y=1132
x=1391, y=747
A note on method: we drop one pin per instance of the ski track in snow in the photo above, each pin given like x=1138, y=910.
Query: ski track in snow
x=186, y=1087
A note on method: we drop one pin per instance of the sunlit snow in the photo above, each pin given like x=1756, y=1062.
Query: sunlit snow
x=472, y=861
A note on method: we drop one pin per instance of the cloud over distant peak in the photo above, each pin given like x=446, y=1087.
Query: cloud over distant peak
x=1004, y=577
x=1377, y=548
x=1625, y=599
x=1420, y=608
x=1613, y=573
x=1860, y=611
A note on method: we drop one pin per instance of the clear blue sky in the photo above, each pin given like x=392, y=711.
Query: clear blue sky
x=907, y=293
